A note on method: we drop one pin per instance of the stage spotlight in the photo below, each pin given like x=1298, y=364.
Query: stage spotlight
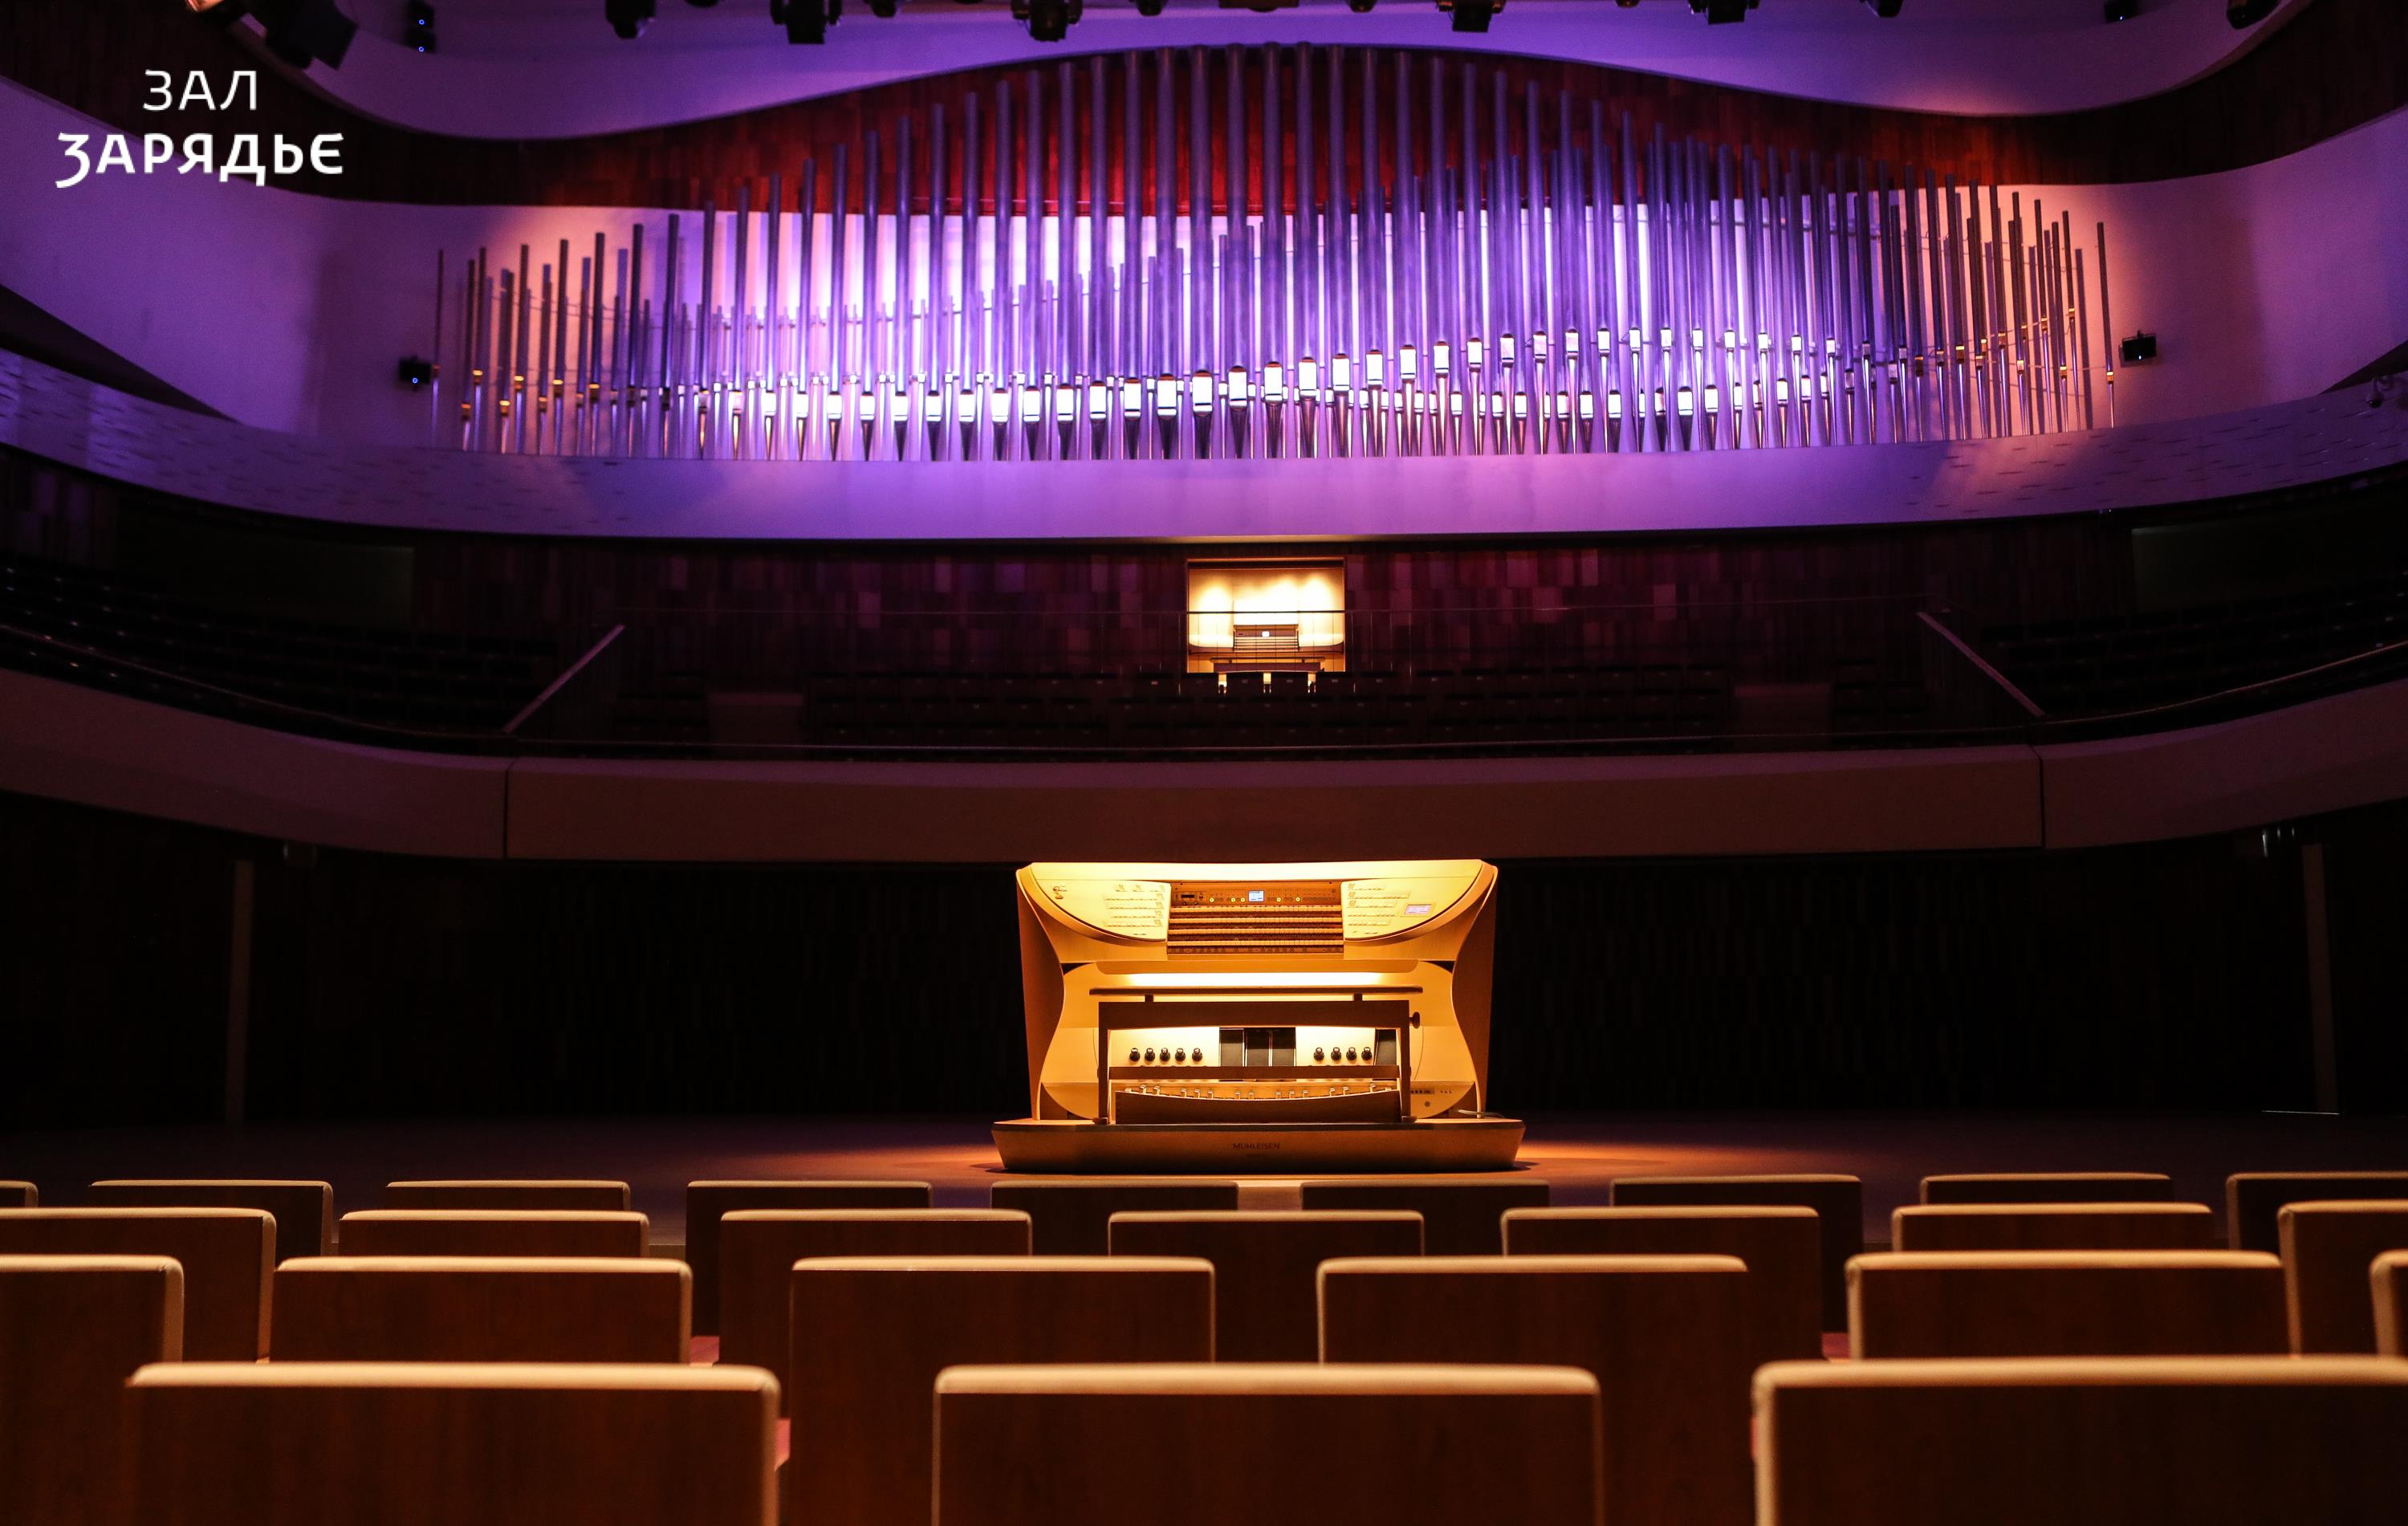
x=628, y=18
x=220, y=11
x=2245, y=14
x=1471, y=15
x=1048, y=20
x=1885, y=9
x=301, y=31
x=2123, y=10
x=1722, y=12
x=418, y=25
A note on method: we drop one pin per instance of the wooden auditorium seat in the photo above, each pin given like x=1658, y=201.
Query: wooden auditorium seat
x=1781, y=1246
x=1838, y=1202
x=589, y=1196
x=2065, y=1303
x=1461, y=1216
x=2391, y=1279
x=480, y=1308
x=2329, y=1252
x=464, y=1444
x=227, y=1254
x=492, y=1231
x=707, y=1202
x=2224, y=1441
x=304, y=1211
x=1072, y=1216
x=72, y=1330
x=871, y=1333
x=1265, y=1445
x=19, y=1195
x=2050, y=1187
x=1669, y=1338
x=1266, y=1267
x=2052, y=1226
x=759, y=1247
x=2253, y=1198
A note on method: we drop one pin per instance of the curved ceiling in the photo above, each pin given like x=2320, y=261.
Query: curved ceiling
x=553, y=69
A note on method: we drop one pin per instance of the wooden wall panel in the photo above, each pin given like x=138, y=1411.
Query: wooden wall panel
x=2339, y=63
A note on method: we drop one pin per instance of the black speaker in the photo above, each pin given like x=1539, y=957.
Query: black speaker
x=628, y=18
x=414, y=372
x=1885, y=9
x=2140, y=350
x=1470, y=15
x=2245, y=14
x=2123, y=10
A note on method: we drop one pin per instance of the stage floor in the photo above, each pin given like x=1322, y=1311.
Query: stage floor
x=1580, y=1154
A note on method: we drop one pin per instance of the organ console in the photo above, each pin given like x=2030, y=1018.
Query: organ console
x=1292, y=1017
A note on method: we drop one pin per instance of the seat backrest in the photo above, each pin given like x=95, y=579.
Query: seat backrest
x=19, y=1195
x=1780, y=1247
x=2329, y=1251
x=1268, y=1445
x=2064, y=1303
x=1669, y=1339
x=227, y=1255
x=2253, y=1198
x=492, y=1231
x=1265, y=1268
x=1461, y=1216
x=2050, y=1187
x=2231, y=1441
x=296, y=1444
x=759, y=1247
x=870, y=1334
x=1838, y=1202
x=304, y=1211
x=72, y=1330
x=2391, y=1279
x=1072, y=1216
x=480, y=1308
x=593, y=1196
x=707, y=1202
x=2054, y=1225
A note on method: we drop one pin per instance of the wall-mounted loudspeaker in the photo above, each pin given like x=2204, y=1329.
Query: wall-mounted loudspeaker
x=2244, y=14
x=2140, y=350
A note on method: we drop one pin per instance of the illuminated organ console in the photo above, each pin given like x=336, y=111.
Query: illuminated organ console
x=1276, y=1017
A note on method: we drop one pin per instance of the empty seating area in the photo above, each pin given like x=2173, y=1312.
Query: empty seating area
x=1432, y=1341
x=110, y=631
x=682, y=681
x=2132, y=661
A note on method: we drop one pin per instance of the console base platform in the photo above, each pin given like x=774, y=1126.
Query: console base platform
x=1075, y=1145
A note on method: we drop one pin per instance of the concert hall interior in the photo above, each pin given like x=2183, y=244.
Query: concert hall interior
x=982, y=762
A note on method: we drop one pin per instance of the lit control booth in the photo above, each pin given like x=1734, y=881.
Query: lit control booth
x=1276, y=1017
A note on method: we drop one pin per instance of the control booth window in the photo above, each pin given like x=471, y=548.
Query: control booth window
x=1260, y=618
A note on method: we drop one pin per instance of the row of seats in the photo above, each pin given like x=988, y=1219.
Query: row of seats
x=1656, y=1347
x=1667, y=1336
x=1801, y=1234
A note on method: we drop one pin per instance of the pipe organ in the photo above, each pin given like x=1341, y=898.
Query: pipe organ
x=1287, y=252
x=1298, y=1014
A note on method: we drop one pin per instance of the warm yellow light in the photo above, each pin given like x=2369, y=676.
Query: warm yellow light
x=1215, y=980
x=1220, y=599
